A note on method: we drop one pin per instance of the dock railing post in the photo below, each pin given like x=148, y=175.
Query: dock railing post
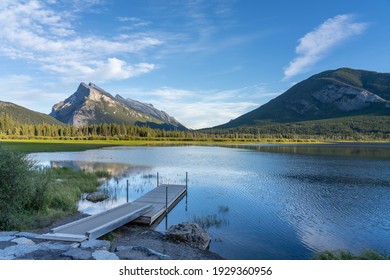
x=166, y=200
x=186, y=181
x=127, y=190
x=157, y=179
x=186, y=191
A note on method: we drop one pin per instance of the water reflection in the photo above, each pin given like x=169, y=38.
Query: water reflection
x=126, y=184
x=114, y=169
x=214, y=220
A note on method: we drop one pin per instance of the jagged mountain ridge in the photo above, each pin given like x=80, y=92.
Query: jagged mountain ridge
x=24, y=115
x=91, y=104
x=331, y=94
x=150, y=110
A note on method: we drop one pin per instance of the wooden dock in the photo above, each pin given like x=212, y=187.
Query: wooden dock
x=146, y=210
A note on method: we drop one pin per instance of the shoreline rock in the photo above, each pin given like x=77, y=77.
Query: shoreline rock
x=189, y=233
x=97, y=197
x=130, y=242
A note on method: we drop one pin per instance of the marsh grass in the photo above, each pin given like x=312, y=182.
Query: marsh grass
x=346, y=255
x=102, y=174
x=46, y=145
x=64, y=189
x=32, y=197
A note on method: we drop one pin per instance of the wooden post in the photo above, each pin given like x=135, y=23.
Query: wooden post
x=157, y=179
x=127, y=190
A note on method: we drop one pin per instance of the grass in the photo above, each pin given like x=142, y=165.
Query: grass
x=34, y=146
x=33, y=197
x=102, y=174
x=346, y=255
x=64, y=189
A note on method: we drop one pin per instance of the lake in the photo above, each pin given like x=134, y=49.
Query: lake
x=258, y=201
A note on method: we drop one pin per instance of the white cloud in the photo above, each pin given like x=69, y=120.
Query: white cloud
x=170, y=94
x=101, y=71
x=22, y=90
x=116, y=69
x=316, y=44
x=35, y=32
x=201, y=109
x=205, y=114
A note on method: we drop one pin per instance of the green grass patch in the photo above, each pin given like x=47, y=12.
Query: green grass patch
x=32, y=197
x=64, y=188
x=35, y=146
x=102, y=174
x=346, y=255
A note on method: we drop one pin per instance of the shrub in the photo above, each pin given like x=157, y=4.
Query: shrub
x=346, y=255
x=31, y=197
x=16, y=186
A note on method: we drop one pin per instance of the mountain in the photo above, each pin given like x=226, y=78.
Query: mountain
x=24, y=115
x=337, y=93
x=91, y=104
x=148, y=109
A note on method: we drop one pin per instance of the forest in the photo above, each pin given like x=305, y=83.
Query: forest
x=359, y=128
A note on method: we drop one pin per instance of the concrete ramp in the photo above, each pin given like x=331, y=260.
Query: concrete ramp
x=95, y=226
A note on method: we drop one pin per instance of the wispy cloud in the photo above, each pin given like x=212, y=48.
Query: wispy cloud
x=23, y=90
x=36, y=32
x=316, y=44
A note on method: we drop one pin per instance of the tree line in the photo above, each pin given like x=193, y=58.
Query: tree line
x=353, y=128
x=12, y=128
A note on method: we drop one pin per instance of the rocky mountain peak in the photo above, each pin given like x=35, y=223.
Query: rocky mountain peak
x=91, y=104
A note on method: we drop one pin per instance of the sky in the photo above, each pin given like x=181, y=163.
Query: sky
x=204, y=62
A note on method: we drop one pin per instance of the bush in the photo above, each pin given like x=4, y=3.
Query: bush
x=346, y=255
x=31, y=197
x=16, y=186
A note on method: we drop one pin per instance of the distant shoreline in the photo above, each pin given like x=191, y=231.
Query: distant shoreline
x=31, y=146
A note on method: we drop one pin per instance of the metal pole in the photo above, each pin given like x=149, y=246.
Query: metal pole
x=186, y=182
x=186, y=191
x=127, y=190
x=157, y=179
x=166, y=222
x=166, y=200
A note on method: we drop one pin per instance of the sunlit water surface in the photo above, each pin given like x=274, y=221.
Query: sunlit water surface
x=257, y=202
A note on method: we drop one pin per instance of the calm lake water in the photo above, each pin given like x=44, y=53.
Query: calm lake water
x=258, y=202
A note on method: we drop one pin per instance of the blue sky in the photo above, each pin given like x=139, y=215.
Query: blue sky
x=204, y=62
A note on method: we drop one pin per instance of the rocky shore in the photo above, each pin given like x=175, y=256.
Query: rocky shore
x=130, y=242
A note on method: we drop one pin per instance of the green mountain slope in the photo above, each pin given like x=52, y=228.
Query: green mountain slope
x=331, y=94
x=24, y=115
